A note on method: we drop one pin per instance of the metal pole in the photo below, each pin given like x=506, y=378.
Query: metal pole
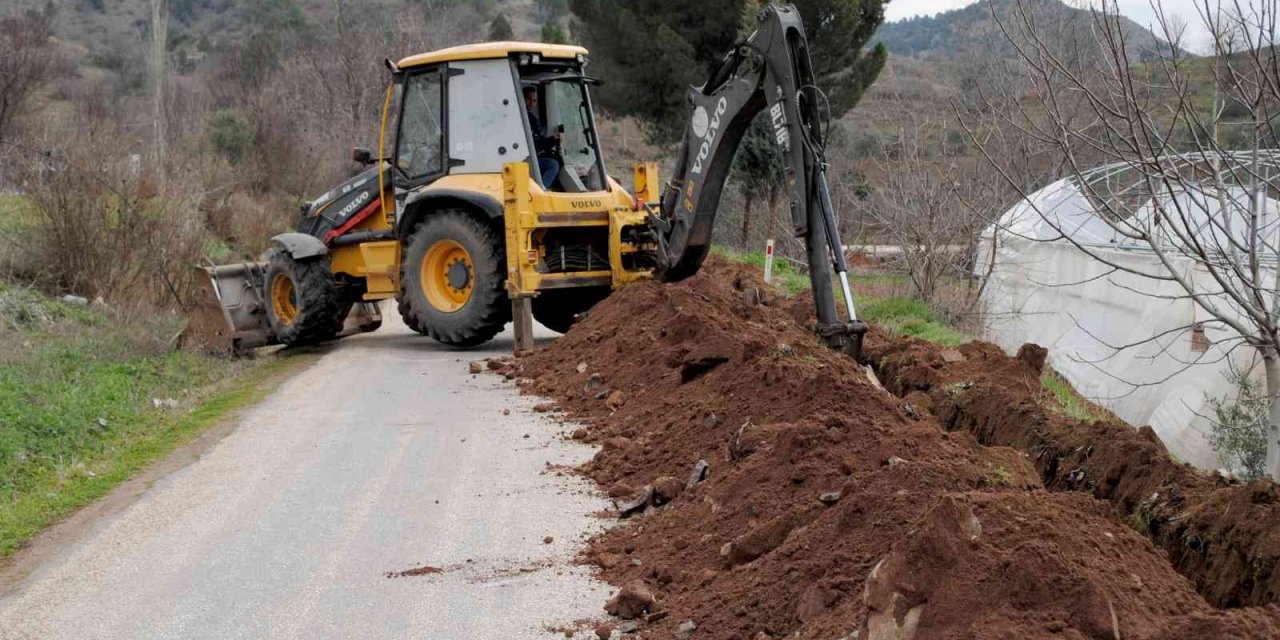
x=820, y=269
x=833, y=239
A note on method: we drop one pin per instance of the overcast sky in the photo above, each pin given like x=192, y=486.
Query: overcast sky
x=1138, y=10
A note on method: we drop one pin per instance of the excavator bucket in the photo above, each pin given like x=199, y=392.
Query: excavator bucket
x=240, y=295
x=233, y=318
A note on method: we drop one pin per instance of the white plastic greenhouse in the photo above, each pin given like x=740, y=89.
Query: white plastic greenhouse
x=1045, y=289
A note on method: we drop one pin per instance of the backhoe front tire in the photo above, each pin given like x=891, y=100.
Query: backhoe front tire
x=453, y=276
x=402, y=305
x=304, y=305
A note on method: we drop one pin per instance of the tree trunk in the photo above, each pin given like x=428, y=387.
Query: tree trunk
x=773, y=208
x=746, y=222
x=1271, y=360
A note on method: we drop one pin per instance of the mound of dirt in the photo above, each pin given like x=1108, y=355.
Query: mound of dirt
x=772, y=488
x=1225, y=536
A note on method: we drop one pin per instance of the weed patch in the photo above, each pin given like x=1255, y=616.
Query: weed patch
x=904, y=315
x=78, y=410
x=1064, y=399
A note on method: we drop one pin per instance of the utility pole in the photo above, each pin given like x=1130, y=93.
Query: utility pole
x=159, y=54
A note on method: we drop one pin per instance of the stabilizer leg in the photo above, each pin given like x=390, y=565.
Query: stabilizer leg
x=522, y=322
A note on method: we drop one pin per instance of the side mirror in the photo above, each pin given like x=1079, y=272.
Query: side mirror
x=362, y=155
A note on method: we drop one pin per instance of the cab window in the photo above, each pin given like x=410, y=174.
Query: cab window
x=420, y=148
x=567, y=108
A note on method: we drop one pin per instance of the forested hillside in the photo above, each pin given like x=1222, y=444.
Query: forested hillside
x=981, y=28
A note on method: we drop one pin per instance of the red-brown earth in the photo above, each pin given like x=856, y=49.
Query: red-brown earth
x=950, y=503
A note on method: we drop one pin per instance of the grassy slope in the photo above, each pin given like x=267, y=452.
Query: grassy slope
x=76, y=404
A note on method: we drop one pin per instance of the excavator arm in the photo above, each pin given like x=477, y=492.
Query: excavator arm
x=772, y=70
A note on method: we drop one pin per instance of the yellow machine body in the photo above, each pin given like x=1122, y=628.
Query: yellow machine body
x=460, y=140
x=528, y=210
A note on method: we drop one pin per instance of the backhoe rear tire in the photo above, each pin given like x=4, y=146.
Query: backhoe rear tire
x=304, y=305
x=557, y=309
x=453, y=277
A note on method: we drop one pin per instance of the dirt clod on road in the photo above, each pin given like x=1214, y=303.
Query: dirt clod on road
x=823, y=503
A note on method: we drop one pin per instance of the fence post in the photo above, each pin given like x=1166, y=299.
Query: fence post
x=768, y=262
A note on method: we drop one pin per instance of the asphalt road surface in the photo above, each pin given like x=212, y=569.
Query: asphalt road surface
x=384, y=456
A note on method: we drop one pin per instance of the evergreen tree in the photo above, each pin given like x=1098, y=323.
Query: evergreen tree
x=690, y=39
x=552, y=9
x=553, y=33
x=680, y=43
x=500, y=29
x=652, y=51
x=837, y=31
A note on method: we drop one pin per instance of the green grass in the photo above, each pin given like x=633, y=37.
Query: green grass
x=76, y=412
x=1067, y=401
x=905, y=315
x=16, y=212
x=912, y=317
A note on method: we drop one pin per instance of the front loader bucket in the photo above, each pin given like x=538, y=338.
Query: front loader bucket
x=237, y=294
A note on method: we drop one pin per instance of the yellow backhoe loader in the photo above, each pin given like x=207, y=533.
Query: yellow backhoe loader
x=489, y=200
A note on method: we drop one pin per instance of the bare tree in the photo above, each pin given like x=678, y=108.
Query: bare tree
x=1202, y=208
x=932, y=204
x=28, y=61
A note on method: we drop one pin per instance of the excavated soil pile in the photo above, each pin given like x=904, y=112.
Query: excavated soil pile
x=1224, y=536
x=772, y=489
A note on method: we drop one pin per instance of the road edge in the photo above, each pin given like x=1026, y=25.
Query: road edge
x=199, y=431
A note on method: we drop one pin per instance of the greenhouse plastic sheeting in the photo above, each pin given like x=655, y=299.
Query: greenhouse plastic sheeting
x=1049, y=292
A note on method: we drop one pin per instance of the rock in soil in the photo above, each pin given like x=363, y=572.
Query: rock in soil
x=593, y=385
x=666, y=489
x=761, y=540
x=616, y=399
x=700, y=472
x=637, y=503
x=685, y=630
x=633, y=601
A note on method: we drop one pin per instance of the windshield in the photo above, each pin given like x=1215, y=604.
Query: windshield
x=567, y=105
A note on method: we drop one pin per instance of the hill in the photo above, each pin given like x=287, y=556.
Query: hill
x=975, y=30
x=111, y=33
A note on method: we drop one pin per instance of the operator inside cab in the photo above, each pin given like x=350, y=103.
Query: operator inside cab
x=545, y=143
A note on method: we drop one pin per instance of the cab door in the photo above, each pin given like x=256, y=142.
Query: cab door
x=421, y=139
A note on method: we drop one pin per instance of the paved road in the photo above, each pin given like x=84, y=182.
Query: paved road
x=384, y=456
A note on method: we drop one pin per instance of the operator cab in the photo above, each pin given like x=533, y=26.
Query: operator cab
x=560, y=119
x=470, y=110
